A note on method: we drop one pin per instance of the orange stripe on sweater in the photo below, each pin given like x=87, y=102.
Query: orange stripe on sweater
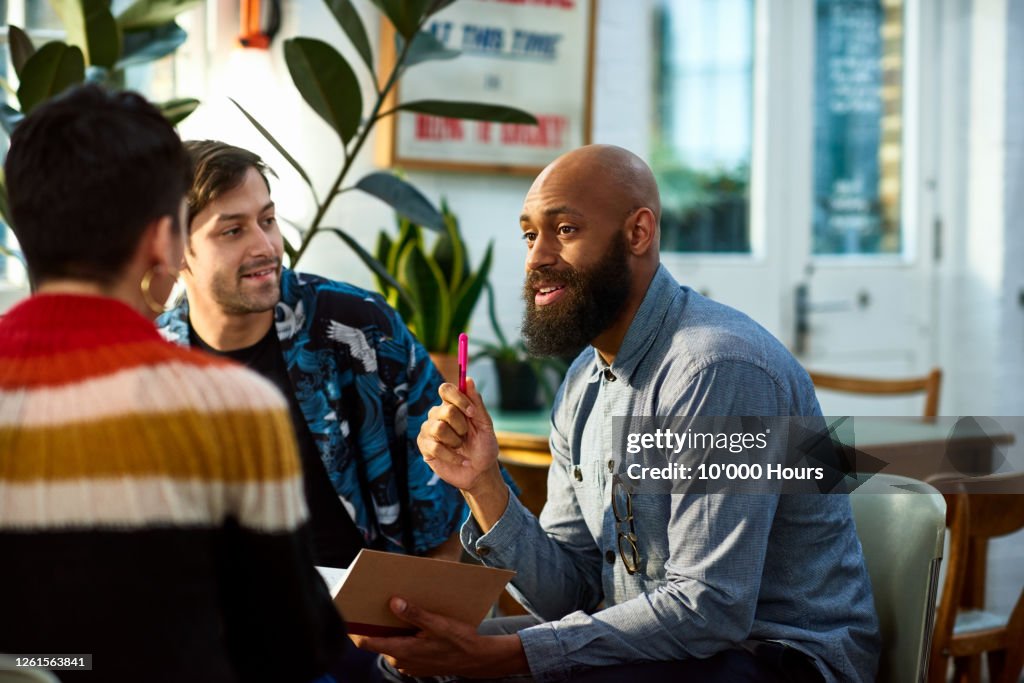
x=227, y=446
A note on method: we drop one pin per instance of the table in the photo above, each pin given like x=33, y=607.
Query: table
x=523, y=450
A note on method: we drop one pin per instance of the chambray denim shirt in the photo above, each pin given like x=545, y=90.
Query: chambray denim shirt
x=717, y=569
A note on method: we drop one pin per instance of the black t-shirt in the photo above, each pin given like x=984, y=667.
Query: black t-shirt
x=336, y=538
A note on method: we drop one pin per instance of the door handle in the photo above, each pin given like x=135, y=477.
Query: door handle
x=804, y=307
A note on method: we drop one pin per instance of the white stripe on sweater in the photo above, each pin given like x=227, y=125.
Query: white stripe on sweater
x=139, y=502
x=149, y=390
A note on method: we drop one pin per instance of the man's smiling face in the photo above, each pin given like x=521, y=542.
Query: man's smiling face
x=577, y=263
x=233, y=260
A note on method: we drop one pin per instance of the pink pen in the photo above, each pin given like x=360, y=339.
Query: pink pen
x=463, y=360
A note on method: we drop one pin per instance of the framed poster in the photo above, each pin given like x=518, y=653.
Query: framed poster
x=536, y=55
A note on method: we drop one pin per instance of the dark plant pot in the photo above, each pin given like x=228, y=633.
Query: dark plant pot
x=517, y=385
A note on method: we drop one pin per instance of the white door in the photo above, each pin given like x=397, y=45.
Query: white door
x=842, y=187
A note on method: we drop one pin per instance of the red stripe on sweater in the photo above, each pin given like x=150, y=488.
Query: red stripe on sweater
x=74, y=366
x=53, y=339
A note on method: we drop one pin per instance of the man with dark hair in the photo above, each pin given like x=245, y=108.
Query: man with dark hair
x=358, y=383
x=725, y=586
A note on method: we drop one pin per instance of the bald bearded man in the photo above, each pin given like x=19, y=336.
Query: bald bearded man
x=709, y=587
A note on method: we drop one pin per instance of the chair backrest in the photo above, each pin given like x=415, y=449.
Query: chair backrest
x=979, y=508
x=902, y=535
x=930, y=385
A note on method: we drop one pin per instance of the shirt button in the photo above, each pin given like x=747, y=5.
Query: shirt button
x=611, y=465
x=576, y=473
x=483, y=552
x=610, y=557
x=609, y=375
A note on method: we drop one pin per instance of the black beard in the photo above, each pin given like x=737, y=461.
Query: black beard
x=593, y=300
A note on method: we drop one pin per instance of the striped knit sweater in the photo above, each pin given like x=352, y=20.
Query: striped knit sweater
x=151, y=506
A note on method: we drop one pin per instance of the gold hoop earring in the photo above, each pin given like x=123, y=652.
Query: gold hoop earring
x=147, y=282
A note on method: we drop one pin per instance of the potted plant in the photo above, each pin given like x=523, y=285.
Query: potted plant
x=98, y=47
x=329, y=85
x=434, y=287
x=525, y=383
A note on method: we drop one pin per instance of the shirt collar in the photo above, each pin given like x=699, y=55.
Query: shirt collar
x=641, y=333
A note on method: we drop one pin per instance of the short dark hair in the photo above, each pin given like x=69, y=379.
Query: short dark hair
x=218, y=168
x=87, y=172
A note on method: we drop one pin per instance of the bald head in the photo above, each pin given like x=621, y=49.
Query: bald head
x=609, y=172
x=607, y=188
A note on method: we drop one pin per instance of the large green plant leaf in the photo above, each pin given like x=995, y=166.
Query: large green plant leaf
x=90, y=25
x=465, y=301
x=375, y=266
x=469, y=110
x=72, y=17
x=425, y=47
x=383, y=251
x=54, y=67
x=436, y=6
x=152, y=44
x=353, y=27
x=103, y=35
x=403, y=197
x=425, y=284
x=408, y=232
x=146, y=14
x=21, y=48
x=276, y=145
x=178, y=110
x=450, y=251
x=405, y=15
x=327, y=83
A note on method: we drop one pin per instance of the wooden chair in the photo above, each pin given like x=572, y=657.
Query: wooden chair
x=929, y=384
x=977, y=510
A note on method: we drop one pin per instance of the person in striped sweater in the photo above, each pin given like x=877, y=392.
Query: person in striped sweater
x=151, y=504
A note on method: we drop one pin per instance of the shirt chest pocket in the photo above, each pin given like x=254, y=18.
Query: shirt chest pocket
x=587, y=476
x=589, y=485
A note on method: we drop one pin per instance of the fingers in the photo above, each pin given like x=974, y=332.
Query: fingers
x=432, y=450
x=451, y=416
x=422, y=619
x=450, y=394
x=389, y=647
x=443, y=432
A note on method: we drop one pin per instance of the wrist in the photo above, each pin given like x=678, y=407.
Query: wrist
x=488, y=499
x=508, y=658
x=487, y=485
